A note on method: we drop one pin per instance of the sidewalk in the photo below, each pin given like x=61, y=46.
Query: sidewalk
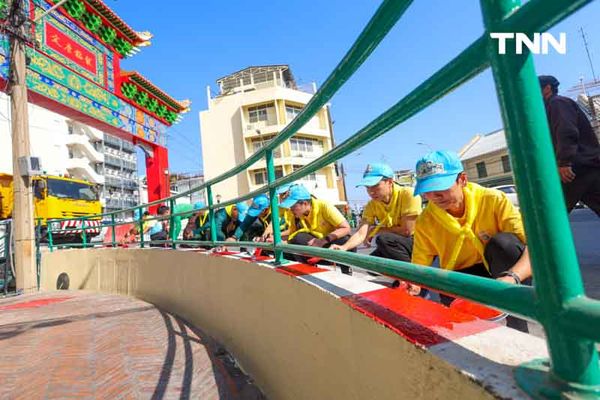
x=98, y=346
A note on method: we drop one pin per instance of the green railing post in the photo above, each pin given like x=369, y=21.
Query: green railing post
x=211, y=215
x=49, y=231
x=274, y=207
x=172, y=223
x=83, y=233
x=38, y=252
x=114, y=232
x=557, y=277
x=141, y=228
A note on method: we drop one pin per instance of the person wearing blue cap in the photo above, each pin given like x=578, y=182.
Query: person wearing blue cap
x=226, y=220
x=131, y=234
x=389, y=216
x=257, y=219
x=160, y=228
x=576, y=147
x=196, y=226
x=470, y=228
x=318, y=223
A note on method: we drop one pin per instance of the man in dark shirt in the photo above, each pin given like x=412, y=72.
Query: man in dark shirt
x=575, y=145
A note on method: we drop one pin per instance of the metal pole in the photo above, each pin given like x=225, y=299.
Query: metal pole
x=211, y=215
x=83, y=233
x=274, y=207
x=141, y=227
x=114, y=233
x=556, y=272
x=49, y=231
x=23, y=199
x=172, y=223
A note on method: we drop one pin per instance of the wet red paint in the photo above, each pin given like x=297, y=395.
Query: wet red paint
x=257, y=258
x=418, y=320
x=299, y=269
x=35, y=303
x=476, y=309
x=224, y=253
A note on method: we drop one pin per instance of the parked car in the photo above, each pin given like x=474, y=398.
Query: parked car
x=511, y=193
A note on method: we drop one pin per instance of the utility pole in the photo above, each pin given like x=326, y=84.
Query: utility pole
x=22, y=216
x=587, y=50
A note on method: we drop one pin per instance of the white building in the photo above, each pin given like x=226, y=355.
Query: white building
x=252, y=107
x=67, y=147
x=486, y=160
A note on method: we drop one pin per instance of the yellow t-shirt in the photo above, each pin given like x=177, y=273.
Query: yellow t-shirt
x=402, y=204
x=494, y=213
x=322, y=219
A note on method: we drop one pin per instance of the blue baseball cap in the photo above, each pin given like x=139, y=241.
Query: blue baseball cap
x=297, y=193
x=259, y=204
x=374, y=173
x=284, y=188
x=437, y=171
x=242, y=209
x=199, y=205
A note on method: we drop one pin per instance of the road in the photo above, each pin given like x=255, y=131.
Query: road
x=585, y=226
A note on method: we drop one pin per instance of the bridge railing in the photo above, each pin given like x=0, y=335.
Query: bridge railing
x=570, y=319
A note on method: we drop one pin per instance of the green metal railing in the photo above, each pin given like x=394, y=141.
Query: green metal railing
x=570, y=319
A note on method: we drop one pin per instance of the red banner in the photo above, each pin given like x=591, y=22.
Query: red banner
x=72, y=50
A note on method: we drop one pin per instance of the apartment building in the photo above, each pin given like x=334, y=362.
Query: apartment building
x=252, y=107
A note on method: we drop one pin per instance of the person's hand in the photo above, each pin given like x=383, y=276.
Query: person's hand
x=367, y=241
x=413, y=289
x=317, y=242
x=507, y=279
x=566, y=174
x=231, y=239
x=267, y=237
x=337, y=247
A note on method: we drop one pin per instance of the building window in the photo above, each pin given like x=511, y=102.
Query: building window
x=292, y=111
x=259, y=143
x=258, y=113
x=506, y=164
x=310, y=177
x=302, y=145
x=260, y=175
x=481, y=170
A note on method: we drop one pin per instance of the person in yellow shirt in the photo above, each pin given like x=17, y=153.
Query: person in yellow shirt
x=317, y=223
x=389, y=216
x=470, y=228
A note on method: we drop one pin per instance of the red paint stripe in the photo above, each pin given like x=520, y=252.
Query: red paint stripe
x=224, y=253
x=418, y=320
x=299, y=269
x=257, y=258
x=35, y=303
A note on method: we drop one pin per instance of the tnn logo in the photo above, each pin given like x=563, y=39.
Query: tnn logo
x=539, y=45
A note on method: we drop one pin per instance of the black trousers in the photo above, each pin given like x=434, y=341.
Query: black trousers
x=303, y=238
x=162, y=235
x=585, y=188
x=393, y=246
x=501, y=253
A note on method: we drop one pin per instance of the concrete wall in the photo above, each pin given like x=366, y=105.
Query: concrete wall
x=296, y=340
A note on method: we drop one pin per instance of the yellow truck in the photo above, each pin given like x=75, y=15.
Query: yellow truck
x=57, y=197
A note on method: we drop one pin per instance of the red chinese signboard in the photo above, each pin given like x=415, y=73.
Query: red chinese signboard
x=65, y=46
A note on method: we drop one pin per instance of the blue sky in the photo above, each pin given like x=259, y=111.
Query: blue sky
x=196, y=42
